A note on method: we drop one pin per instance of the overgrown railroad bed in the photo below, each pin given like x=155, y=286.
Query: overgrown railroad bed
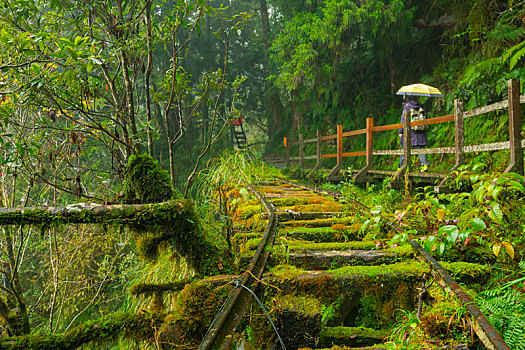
x=329, y=285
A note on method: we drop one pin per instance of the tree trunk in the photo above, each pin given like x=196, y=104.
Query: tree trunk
x=275, y=101
x=149, y=69
x=135, y=145
x=296, y=115
x=14, y=285
x=392, y=68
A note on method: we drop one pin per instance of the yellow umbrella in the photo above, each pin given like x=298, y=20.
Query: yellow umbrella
x=419, y=90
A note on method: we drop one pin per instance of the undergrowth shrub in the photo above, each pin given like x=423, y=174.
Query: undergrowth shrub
x=504, y=307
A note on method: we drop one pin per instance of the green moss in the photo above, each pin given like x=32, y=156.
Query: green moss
x=468, y=273
x=319, y=222
x=339, y=334
x=140, y=217
x=316, y=234
x=253, y=243
x=134, y=326
x=407, y=268
x=292, y=280
x=185, y=234
x=403, y=251
x=342, y=246
x=380, y=290
x=316, y=208
x=335, y=232
x=198, y=304
x=297, y=319
x=145, y=181
x=446, y=318
x=148, y=289
x=291, y=201
x=247, y=211
x=479, y=254
x=306, y=305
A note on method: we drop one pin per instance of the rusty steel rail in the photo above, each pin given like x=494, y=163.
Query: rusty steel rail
x=222, y=330
x=484, y=330
x=488, y=335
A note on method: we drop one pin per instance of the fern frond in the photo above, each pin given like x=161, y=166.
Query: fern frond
x=510, y=53
x=505, y=310
x=505, y=32
x=517, y=57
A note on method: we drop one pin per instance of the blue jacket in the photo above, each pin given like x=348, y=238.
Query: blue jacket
x=418, y=138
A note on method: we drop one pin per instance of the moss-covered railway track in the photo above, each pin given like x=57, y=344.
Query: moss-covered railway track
x=325, y=283
x=328, y=287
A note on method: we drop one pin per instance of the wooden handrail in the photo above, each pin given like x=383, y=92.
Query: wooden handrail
x=328, y=137
x=388, y=127
x=515, y=130
x=354, y=133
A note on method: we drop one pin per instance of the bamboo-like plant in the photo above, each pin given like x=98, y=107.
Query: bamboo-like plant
x=223, y=183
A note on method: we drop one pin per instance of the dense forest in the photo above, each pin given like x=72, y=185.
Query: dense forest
x=131, y=102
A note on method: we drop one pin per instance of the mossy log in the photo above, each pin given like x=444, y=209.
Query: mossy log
x=328, y=222
x=155, y=223
x=292, y=215
x=149, y=289
x=351, y=336
x=319, y=260
x=297, y=320
x=90, y=213
x=129, y=325
x=385, y=288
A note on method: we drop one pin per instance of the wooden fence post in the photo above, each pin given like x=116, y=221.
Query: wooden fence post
x=339, y=146
x=459, y=146
x=407, y=140
x=319, y=155
x=515, y=128
x=369, y=150
x=339, y=164
x=287, y=151
x=369, y=143
x=459, y=126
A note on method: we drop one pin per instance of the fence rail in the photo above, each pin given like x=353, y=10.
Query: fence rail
x=515, y=143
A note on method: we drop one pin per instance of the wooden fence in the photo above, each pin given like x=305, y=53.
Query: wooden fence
x=515, y=143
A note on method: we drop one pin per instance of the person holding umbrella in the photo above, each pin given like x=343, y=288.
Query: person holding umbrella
x=415, y=110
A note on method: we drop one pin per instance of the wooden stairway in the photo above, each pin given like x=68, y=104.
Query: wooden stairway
x=239, y=135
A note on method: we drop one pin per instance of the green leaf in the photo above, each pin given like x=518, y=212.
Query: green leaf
x=429, y=243
x=516, y=58
x=72, y=53
x=477, y=224
x=480, y=194
x=496, y=192
x=35, y=67
x=453, y=236
x=441, y=248
x=496, y=214
x=517, y=186
x=447, y=230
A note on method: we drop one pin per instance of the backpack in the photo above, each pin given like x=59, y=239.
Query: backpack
x=416, y=114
